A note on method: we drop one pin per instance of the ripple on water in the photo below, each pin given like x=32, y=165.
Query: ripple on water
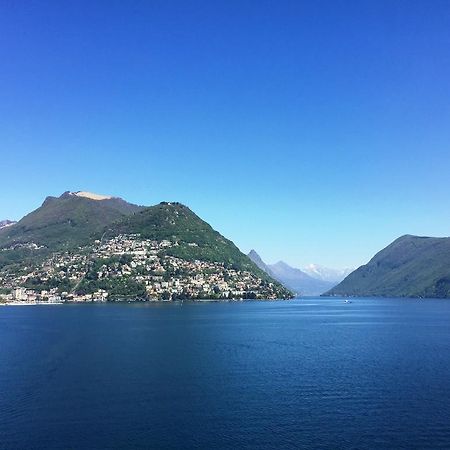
x=307, y=374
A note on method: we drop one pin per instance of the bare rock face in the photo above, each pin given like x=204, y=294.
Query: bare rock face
x=6, y=223
x=91, y=195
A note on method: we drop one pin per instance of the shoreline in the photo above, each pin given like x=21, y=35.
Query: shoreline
x=30, y=303
x=127, y=301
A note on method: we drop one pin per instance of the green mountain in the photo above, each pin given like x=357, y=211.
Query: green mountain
x=72, y=219
x=195, y=238
x=85, y=245
x=411, y=266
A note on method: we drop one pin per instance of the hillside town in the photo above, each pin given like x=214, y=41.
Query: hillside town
x=128, y=267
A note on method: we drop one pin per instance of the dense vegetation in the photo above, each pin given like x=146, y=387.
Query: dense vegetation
x=118, y=288
x=71, y=223
x=411, y=266
x=39, y=284
x=65, y=222
x=196, y=239
x=19, y=257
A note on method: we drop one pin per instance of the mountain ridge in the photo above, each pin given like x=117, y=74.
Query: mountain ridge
x=294, y=279
x=91, y=244
x=411, y=266
x=66, y=221
x=327, y=274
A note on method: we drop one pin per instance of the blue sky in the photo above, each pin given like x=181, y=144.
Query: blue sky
x=310, y=131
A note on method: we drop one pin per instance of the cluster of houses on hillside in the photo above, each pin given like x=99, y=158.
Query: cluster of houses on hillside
x=94, y=274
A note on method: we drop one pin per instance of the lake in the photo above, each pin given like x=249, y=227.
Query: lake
x=308, y=373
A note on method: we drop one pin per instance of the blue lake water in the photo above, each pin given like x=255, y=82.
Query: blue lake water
x=311, y=373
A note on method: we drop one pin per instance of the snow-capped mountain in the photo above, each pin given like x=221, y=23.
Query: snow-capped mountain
x=294, y=279
x=326, y=274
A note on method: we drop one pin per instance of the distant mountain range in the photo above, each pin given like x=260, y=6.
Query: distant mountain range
x=297, y=280
x=326, y=274
x=412, y=266
x=84, y=243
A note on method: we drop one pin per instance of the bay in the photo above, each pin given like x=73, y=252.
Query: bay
x=307, y=373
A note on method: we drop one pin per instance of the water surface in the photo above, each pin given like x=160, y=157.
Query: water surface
x=311, y=373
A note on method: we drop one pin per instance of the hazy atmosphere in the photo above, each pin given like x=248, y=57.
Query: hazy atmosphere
x=311, y=132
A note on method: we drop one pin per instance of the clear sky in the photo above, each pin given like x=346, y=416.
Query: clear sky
x=311, y=131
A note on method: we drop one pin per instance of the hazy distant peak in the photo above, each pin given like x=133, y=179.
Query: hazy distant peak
x=282, y=264
x=325, y=273
x=258, y=261
x=254, y=256
x=295, y=279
